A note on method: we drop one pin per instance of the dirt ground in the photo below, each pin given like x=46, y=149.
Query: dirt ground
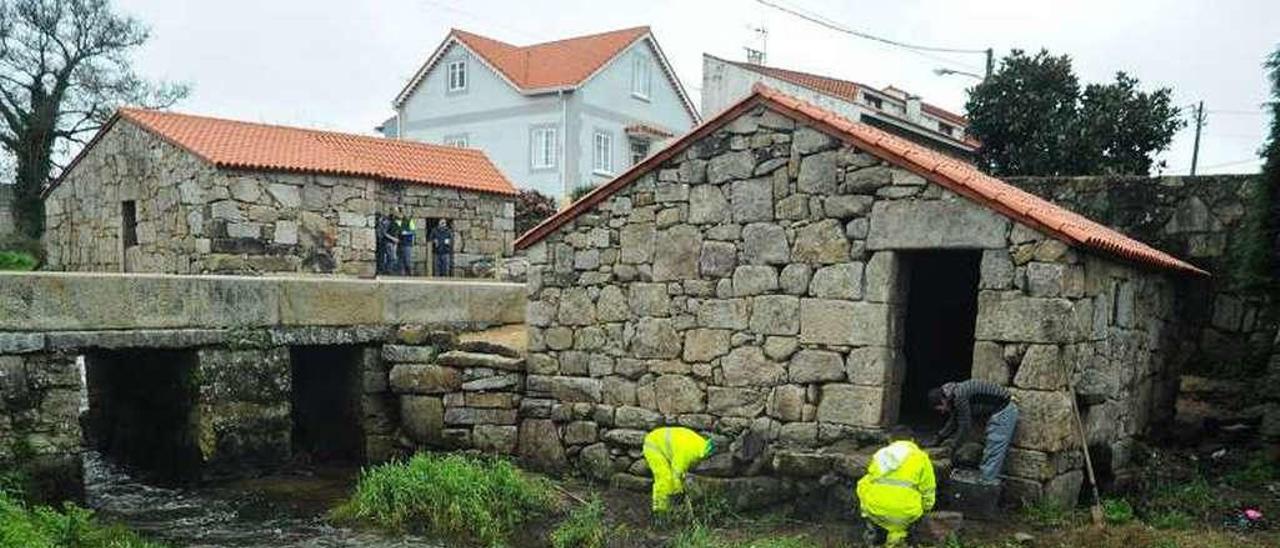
x=1182, y=500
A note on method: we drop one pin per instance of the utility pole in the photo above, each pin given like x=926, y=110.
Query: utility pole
x=990, y=61
x=1195, y=150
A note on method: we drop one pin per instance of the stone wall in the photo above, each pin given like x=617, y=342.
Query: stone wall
x=195, y=218
x=456, y=395
x=1217, y=222
x=8, y=219
x=755, y=283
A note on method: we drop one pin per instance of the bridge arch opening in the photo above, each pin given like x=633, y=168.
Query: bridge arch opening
x=142, y=410
x=327, y=385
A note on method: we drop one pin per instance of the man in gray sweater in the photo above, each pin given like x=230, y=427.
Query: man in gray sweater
x=966, y=401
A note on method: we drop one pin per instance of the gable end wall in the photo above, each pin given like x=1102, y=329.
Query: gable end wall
x=755, y=282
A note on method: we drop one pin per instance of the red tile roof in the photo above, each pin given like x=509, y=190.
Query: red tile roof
x=549, y=66
x=848, y=90
x=960, y=177
x=246, y=145
x=555, y=64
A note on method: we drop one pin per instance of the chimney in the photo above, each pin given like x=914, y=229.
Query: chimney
x=913, y=108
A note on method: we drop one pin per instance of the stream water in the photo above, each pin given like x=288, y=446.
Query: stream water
x=283, y=510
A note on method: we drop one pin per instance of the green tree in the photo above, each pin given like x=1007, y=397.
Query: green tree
x=64, y=68
x=1271, y=161
x=1033, y=118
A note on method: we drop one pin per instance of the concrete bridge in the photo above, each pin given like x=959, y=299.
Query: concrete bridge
x=192, y=374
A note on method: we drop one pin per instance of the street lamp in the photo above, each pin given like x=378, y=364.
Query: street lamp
x=940, y=71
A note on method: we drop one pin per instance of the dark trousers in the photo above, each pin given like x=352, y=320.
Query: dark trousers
x=387, y=259
x=444, y=263
x=406, y=259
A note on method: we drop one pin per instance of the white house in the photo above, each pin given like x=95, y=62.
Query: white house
x=553, y=116
x=725, y=82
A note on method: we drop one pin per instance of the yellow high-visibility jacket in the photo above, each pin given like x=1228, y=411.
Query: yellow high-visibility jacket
x=899, y=486
x=670, y=452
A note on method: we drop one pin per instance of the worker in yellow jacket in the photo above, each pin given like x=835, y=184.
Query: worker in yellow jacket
x=898, y=488
x=671, y=451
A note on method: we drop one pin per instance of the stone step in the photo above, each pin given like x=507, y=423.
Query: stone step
x=462, y=358
x=489, y=347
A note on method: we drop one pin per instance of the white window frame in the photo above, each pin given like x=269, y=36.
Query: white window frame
x=458, y=140
x=544, y=147
x=641, y=77
x=602, y=152
x=456, y=74
x=632, y=143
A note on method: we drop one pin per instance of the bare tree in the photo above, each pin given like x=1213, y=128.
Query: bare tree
x=64, y=68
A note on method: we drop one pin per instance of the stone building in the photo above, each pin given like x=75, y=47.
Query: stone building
x=786, y=271
x=163, y=192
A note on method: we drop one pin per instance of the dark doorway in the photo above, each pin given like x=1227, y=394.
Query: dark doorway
x=942, y=307
x=326, y=403
x=142, y=411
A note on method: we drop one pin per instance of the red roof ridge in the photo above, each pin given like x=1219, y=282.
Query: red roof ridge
x=266, y=125
x=253, y=145
x=960, y=177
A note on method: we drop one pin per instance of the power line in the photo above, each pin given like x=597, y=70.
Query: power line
x=838, y=27
x=1235, y=163
x=914, y=48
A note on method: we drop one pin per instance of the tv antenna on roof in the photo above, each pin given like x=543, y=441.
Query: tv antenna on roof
x=757, y=56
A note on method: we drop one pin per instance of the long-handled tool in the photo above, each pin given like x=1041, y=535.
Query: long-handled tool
x=1096, y=511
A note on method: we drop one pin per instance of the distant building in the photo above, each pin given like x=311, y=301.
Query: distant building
x=553, y=116
x=163, y=192
x=726, y=82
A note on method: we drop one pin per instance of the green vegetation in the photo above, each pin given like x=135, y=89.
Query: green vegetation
x=581, y=190
x=17, y=260
x=1047, y=514
x=458, y=496
x=1035, y=118
x=585, y=527
x=1117, y=511
x=40, y=526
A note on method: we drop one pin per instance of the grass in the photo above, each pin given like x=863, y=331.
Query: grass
x=585, y=527
x=1047, y=514
x=475, y=499
x=17, y=260
x=40, y=526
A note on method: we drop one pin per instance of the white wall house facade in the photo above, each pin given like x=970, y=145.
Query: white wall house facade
x=725, y=82
x=553, y=116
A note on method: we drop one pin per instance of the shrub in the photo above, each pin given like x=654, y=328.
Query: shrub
x=17, y=260
x=1117, y=511
x=471, y=498
x=41, y=527
x=585, y=527
x=531, y=208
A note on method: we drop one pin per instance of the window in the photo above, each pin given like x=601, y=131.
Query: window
x=946, y=129
x=639, y=150
x=543, y=150
x=875, y=102
x=457, y=76
x=460, y=140
x=603, y=157
x=640, y=77
x=129, y=222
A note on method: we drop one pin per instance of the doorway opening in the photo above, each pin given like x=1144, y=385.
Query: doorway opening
x=327, y=385
x=942, y=309
x=142, y=410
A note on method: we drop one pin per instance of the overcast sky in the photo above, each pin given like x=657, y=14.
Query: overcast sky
x=337, y=64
